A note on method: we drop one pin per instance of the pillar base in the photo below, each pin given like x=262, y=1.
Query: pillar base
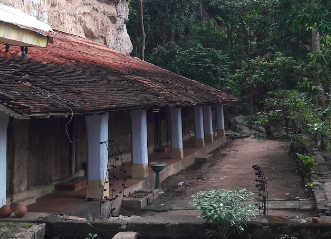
x=139, y=171
x=209, y=138
x=199, y=143
x=221, y=132
x=177, y=153
x=95, y=187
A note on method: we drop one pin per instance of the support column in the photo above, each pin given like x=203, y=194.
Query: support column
x=176, y=134
x=97, y=132
x=220, y=120
x=4, y=119
x=198, y=120
x=139, y=144
x=208, y=123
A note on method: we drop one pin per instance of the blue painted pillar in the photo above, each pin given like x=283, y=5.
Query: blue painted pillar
x=97, y=132
x=176, y=134
x=208, y=123
x=139, y=144
x=220, y=120
x=199, y=134
x=4, y=119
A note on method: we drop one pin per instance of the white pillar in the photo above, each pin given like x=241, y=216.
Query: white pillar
x=199, y=134
x=176, y=134
x=3, y=156
x=139, y=144
x=208, y=123
x=220, y=120
x=97, y=132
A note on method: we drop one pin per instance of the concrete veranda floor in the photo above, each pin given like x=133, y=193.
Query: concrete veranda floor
x=69, y=203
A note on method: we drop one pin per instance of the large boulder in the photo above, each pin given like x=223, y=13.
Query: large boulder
x=102, y=21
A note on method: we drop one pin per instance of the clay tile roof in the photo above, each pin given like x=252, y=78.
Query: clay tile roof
x=77, y=74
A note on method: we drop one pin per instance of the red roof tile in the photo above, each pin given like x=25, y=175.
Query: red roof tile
x=88, y=77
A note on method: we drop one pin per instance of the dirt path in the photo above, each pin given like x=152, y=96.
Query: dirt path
x=231, y=167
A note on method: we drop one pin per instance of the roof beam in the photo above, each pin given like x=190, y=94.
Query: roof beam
x=13, y=113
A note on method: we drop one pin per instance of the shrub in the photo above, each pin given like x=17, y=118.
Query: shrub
x=226, y=210
x=299, y=144
x=305, y=165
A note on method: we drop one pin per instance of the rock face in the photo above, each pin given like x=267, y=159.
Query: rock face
x=102, y=21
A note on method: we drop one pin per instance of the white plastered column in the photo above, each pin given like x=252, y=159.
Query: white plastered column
x=220, y=120
x=208, y=123
x=198, y=121
x=4, y=119
x=176, y=134
x=139, y=144
x=97, y=133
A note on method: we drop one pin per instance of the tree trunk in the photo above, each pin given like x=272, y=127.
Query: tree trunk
x=246, y=39
x=316, y=46
x=142, y=30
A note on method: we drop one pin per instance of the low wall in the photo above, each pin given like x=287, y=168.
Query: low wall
x=177, y=226
x=192, y=227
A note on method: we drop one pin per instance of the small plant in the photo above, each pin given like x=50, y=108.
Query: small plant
x=28, y=225
x=91, y=236
x=90, y=219
x=309, y=189
x=309, y=185
x=226, y=210
x=305, y=165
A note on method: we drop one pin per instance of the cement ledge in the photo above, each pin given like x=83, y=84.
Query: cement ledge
x=172, y=226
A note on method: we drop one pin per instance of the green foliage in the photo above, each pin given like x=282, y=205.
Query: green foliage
x=306, y=14
x=309, y=185
x=210, y=35
x=261, y=75
x=166, y=56
x=192, y=60
x=28, y=225
x=255, y=119
x=92, y=236
x=206, y=65
x=226, y=210
x=292, y=106
x=299, y=144
x=165, y=21
x=305, y=165
x=246, y=23
x=297, y=111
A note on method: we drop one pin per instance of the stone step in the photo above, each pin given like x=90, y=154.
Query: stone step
x=126, y=235
x=163, y=149
x=74, y=184
x=140, y=199
x=204, y=158
x=27, y=201
x=22, y=230
x=301, y=204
